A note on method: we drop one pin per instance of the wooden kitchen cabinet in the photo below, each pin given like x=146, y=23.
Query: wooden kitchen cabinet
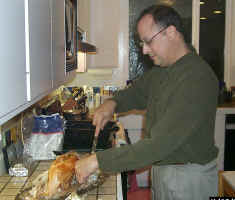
x=12, y=56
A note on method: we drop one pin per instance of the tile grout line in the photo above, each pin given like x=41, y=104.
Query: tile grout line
x=97, y=193
x=21, y=189
x=6, y=184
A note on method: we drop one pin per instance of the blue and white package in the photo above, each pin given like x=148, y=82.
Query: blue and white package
x=47, y=136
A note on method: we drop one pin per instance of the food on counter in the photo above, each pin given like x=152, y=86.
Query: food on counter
x=18, y=170
x=60, y=180
x=61, y=175
x=70, y=104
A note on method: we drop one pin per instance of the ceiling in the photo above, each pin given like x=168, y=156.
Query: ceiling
x=209, y=6
x=206, y=9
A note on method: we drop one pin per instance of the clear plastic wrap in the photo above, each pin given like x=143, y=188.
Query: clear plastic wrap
x=46, y=136
x=27, y=122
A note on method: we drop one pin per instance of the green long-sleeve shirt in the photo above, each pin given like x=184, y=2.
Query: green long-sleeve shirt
x=181, y=105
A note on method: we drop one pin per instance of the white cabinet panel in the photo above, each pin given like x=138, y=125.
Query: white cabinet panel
x=58, y=42
x=12, y=56
x=83, y=17
x=105, y=33
x=39, y=47
x=32, y=53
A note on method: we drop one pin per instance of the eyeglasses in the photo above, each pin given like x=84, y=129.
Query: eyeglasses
x=141, y=43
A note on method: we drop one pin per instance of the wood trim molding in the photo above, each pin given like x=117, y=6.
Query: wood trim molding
x=229, y=64
x=196, y=24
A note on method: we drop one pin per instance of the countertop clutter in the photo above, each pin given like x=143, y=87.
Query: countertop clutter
x=11, y=186
x=72, y=99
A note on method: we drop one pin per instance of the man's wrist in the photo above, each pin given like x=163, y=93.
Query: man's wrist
x=112, y=104
x=94, y=162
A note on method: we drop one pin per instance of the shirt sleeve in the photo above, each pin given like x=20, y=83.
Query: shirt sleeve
x=188, y=108
x=134, y=97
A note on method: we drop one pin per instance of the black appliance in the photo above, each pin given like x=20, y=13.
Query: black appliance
x=80, y=136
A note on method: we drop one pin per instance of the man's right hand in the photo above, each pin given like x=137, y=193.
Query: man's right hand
x=103, y=114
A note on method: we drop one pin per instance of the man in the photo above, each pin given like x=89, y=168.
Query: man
x=180, y=98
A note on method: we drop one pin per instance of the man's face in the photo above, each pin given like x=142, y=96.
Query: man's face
x=154, y=40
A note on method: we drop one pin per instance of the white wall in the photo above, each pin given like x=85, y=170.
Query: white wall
x=110, y=76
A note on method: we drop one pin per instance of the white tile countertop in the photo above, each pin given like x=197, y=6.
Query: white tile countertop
x=10, y=186
x=111, y=189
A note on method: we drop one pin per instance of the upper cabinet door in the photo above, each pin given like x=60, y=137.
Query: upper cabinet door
x=39, y=20
x=83, y=7
x=58, y=42
x=105, y=32
x=12, y=56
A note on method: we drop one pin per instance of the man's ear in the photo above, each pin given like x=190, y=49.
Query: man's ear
x=171, y=31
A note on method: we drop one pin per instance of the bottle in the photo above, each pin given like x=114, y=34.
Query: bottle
x=90, y=98
x=222, y=91
x=97, y=100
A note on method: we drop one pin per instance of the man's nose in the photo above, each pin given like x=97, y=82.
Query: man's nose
x=145, y=49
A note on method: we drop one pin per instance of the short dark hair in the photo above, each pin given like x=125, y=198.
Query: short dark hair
x=164, y=16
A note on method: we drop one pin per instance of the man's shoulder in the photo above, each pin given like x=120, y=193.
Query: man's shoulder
x=193, y=69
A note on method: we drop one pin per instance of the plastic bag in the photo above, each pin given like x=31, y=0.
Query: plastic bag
x=47, y=136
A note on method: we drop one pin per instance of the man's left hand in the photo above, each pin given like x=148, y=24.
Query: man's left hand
x=85, y=167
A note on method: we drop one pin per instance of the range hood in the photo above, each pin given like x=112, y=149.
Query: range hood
x=82, y=45
x=86, y=47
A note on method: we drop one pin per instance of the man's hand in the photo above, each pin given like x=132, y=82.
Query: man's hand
x=103, y=114
x=85, y=167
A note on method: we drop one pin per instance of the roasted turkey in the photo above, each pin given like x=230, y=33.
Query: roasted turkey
x=61, y=175
x=60, y=180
